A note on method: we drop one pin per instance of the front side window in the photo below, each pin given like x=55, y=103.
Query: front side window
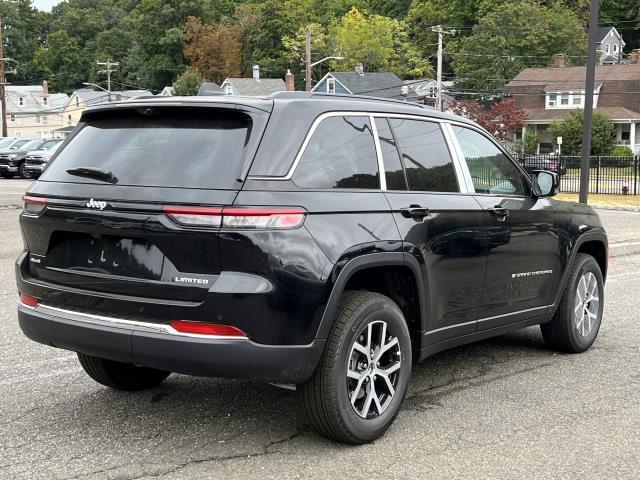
x=491, y=170
x=425, y=156
x=340, y=154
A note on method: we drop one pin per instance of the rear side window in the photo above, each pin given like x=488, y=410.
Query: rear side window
x=392, y=165
x=425, y=155
x=189, y=148
x=340, y=154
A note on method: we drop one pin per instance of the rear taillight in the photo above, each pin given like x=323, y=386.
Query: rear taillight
x=28, y=300
x=34, y=205
x=204, y=328
x=237, y=217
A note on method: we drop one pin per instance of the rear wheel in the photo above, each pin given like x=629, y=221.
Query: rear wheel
x=121, y=376
x=576, y=323
x=356, y=392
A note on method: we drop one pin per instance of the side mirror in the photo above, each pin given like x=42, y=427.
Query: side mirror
x=545, y=183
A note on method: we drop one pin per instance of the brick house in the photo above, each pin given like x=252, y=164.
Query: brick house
x=552, y=93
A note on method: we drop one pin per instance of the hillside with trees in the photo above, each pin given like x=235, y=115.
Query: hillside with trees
x=158, y=41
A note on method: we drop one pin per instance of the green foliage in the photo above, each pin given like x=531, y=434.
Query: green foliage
x=570, y=129
x=530, y=143
x=188, y=83
x=380, y=43
x=511, y=37
x=622, y=151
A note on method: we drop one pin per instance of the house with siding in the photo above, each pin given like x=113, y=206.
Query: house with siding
x=86, y=97
x=548, y=94
x=33, y=112
x=610, y=45
x=359, y=82
x=253, y=87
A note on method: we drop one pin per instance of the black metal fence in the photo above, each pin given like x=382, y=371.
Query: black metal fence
x=607, y=174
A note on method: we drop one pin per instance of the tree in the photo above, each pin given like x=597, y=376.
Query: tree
x=214, y=51
x=500, y=119
x=530, y=143
x=511, y=37
x=380, y=43
x=188, y=83
x=570, y=129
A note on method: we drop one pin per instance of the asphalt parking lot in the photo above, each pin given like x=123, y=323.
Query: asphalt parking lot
x=502, y=408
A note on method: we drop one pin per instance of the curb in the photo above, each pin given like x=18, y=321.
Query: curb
x=623, y=249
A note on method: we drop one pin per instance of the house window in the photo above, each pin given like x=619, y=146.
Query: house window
x=77, y=101
x=12, y=118
x=45, y=100
x=44, y=119
x=228, y=90
x=331, y=85
x=552, y=99
x=21, y=101
x=577, y=99
x=37, y=118
x=18, y=134
x=69, y=119
x=45, y=134
x=607, y=48
x=564, y=99
x=517, y=135
x=615, y=48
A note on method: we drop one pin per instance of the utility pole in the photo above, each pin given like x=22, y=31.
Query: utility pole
x=3, y=100
x=441, y=33
x=307, y=60
x=108, y=71
x=588, y=100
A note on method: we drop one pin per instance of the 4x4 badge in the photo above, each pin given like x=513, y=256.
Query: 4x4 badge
x=96, y=204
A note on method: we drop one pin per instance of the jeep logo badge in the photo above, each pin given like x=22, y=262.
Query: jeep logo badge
x=96, y=204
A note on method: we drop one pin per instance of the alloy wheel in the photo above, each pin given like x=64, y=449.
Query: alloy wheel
x=373, y=369
x=587, y=304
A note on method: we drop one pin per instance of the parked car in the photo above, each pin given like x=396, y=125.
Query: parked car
x=324, y=242
x=7, y=142
x=36, y=160
x=550, y=163
x=12, y=161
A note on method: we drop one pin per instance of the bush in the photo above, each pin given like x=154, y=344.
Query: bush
x=530, y=143
x=570, y=129
x=622, y=151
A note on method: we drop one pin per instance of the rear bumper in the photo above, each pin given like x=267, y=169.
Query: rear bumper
x=189, y=354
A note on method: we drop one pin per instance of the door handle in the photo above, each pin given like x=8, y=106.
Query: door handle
x=499, y=212
x=415, y=211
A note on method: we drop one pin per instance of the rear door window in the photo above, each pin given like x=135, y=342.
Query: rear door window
x=340, y=154
x=425, y=155
x=181, y=147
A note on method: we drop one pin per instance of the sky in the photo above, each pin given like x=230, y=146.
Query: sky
x=45, y=4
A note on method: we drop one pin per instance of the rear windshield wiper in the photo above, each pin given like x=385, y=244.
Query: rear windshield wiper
x=97, y=173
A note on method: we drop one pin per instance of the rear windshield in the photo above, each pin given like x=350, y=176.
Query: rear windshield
x=187, y=148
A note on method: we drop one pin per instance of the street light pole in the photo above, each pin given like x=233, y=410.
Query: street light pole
x=308, y=60
x=588, y=100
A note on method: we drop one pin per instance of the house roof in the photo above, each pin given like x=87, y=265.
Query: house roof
x=573, y=76
x=603, y=32
x=94, y=97
x=612, y=113
x=32, y=96
x=375, y=84
x=209, y=88
x=255, y=88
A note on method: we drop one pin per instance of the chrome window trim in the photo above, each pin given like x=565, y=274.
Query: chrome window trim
x=345, y=113
x=106, y=321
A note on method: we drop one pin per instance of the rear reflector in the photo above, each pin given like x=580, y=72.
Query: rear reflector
x=237, y=217
x=28, y=300
x=204, y=328
x=34, y=205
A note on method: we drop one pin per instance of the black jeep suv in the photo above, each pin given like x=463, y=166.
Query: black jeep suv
x=320, y=241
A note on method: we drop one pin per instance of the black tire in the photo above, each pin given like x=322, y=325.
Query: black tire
x=563, y=332
x=325, y=399
x=121, y=376
x=22, y=173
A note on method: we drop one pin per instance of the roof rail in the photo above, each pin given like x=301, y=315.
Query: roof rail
x=343, y=96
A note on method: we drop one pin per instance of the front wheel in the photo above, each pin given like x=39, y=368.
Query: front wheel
x=357, y=389
x=576, y=323
x=22, y=172
x=121, y=376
